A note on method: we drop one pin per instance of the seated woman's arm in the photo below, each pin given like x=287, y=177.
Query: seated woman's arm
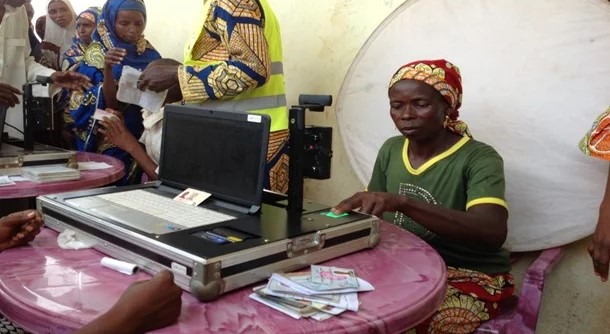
x=483, y=224
x=113, y=57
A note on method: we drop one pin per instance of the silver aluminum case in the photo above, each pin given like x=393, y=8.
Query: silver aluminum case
x=207, y=282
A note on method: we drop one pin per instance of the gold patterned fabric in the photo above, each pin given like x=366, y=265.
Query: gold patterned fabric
x=233, y=31
x=446, y=79
x=276, y=170
x=472, y=298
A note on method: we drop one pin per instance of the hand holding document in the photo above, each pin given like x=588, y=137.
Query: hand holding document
x=129, y=93
x=297, y=295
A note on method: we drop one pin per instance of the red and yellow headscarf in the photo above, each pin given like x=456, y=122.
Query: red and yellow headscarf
x=445, y=78
x=596, y=142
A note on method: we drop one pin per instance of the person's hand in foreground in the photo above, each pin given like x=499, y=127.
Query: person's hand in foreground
x=144, y=306
x=9, y=95
x=19, y=228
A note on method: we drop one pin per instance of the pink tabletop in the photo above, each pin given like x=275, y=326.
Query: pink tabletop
x=89, y=179
x=49, y=290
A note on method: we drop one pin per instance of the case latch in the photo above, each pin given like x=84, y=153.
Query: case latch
x=305, y=244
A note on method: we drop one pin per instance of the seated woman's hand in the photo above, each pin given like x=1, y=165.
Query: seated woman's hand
x=117, y=133
x=114, y=56
x=375, y=203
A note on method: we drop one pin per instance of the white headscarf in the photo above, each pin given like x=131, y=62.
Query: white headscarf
x=56, y=35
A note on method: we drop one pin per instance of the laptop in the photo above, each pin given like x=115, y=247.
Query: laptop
x=219, y=152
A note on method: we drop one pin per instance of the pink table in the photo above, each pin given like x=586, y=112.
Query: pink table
x=49, y=290
x=89, y=179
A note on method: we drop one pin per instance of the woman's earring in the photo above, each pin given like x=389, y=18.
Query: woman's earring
x=446, y=121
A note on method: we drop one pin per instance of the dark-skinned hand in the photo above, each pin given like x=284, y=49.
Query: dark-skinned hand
x=71, y=80
x=375, y=203
x=9, y=95
x=158, y=78
x=19, y=228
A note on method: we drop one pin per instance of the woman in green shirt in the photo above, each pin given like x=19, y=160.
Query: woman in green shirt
x=436, y=181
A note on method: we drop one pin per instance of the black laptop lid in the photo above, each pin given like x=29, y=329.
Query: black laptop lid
x=220, y=152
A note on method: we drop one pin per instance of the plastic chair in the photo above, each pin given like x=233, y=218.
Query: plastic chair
x=523, y=318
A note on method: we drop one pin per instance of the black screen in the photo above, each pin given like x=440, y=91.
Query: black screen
x=222, y=153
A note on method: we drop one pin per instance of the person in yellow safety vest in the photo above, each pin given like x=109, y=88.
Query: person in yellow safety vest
x=234, y=62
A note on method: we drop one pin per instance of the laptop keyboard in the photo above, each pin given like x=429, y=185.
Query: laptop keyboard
x=166, y=208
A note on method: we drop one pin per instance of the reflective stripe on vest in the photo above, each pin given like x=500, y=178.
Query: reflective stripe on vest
x=254, y=104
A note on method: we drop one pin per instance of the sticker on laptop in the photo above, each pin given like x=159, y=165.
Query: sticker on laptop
x=192, y=197
x=254, y=118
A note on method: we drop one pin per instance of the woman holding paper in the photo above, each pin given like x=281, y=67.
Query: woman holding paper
x=118, y=41
x=147, y=150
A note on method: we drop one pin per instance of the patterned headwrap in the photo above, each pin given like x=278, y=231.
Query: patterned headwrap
x=73, y=57
x=89, y=14
x=105, y=28
x=445, y=78
x=596, y=142
x=137, y=5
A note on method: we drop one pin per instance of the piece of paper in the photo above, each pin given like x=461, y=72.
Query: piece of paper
x=129, y=93
x=275, y=306
x=6, y=181
x=92, y=165
x=333, y=277
x=120, y=266
x=39, y=90
x=70, y=239
x=99, y=114
x=301, y=283
x=19, y=178
x=192, y=196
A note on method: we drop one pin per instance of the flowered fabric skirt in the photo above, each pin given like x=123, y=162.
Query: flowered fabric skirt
x=472, y=298
x=596, y=142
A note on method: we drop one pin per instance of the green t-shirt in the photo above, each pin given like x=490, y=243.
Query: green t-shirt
x=467, y=174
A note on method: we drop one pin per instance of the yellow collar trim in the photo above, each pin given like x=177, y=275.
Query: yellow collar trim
x=429, y=163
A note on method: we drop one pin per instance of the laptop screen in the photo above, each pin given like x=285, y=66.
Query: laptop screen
x=219, y=152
